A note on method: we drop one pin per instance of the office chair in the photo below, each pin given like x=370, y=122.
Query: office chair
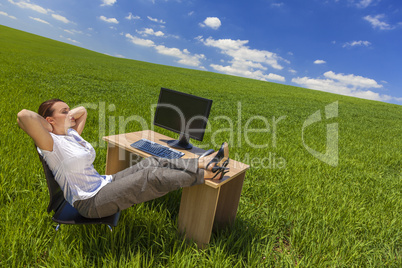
x=64, y=213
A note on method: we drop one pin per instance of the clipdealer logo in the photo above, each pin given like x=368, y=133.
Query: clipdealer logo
x=330, y=156
x=270, y=160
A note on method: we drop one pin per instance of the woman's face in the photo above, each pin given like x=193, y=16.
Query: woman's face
x=60, y=119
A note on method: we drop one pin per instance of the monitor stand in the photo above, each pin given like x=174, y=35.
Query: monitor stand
x=181, y=143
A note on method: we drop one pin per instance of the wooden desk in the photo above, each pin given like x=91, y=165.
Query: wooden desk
x=203, y=206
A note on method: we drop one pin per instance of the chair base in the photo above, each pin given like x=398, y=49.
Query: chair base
x=67, y=214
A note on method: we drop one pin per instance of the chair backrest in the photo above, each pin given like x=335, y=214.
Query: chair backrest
x=55, y=192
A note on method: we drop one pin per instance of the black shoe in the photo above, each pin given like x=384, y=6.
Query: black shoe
x=220, y=170
x=221, y=157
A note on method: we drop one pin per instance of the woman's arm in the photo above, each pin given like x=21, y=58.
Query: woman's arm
x=37, y=128
x=80, y=116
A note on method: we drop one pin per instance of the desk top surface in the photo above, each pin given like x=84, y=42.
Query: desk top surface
x=125, y=140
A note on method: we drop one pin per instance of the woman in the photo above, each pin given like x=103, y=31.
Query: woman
x=56, y=132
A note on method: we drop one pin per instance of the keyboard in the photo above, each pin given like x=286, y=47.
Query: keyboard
x=156, y=149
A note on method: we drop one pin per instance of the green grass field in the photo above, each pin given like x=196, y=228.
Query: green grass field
x=295, y=210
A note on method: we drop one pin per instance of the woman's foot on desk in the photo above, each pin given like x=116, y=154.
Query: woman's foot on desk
x=216, y=172
x=215, y=164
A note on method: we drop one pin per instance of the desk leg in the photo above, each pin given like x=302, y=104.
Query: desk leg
x=203, y=207
x=117, y=159
x=197, y=212
x=228, y=202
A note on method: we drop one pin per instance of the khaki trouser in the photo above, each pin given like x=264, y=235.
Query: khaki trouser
x=151, y=178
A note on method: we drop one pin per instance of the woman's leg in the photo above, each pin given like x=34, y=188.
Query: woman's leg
x=149, y=179
x=188, y=165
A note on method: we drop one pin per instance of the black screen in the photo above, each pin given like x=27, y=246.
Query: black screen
x=182, y=113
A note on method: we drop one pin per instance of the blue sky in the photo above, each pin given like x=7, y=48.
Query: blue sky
x=348, y=47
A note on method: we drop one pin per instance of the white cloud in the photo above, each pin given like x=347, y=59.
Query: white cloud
x=245, y=62
x=353, y=80
x=5, y=14
x=132, y=17
x=319, y=62
x=357, y=43
x=28, y=5
x=149, y=31
x=277, y=4
x=71, y=40
x=212, y=22
x=73, y=31
x=225, y=44
x=350, y=85
x=275, y=77
x=377, y=23
x=139, y=41
x=60, y=18
x=184, y=56
x=246, y=72
x=363, y=3
x=240, y=52
x=40, y=20
x=108, y=2
x=156, y=20
x=74, y=41
x=109, y=20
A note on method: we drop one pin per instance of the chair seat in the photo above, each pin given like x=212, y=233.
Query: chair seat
x=67, y=214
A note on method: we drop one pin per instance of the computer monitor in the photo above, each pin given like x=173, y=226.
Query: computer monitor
x=182, y=113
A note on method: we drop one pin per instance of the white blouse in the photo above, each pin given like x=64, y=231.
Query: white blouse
x=71, y=162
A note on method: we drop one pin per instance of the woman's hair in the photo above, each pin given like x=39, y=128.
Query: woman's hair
x=45, y=109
